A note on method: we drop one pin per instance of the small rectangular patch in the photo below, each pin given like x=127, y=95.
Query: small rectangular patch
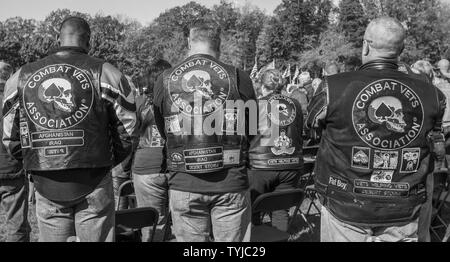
x=382, y=176
x=25, y=140
x=283, y=161
x=361, y=157
x=385, y=160
x=230, y=121
x=231, y=157
x=338, y=183
x=172, y=124
x=57, y=151
x=410, y=160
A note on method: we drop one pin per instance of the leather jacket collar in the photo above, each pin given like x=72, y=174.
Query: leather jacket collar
x=74, y=49
x=380, y=65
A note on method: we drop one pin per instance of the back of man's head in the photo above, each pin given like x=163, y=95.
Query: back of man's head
x=331, y=69
x=75, y=31
x=205, y=35
x=6, y=71
x=443, y=64
x=384, y=39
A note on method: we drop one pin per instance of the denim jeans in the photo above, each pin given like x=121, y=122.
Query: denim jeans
x=119, y=176
x=334, y=230
x=14, y=201
x=426, y=212
x=195, y=216
x=153, y=191
x=262, y=182
x=90, y=218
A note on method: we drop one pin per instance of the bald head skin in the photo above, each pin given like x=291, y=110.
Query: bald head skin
x=331, y=69
x=204, y=38
x=75, y=31
x=443, y=66
x=384, y=40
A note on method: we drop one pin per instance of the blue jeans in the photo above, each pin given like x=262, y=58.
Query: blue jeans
x=90, y=219
x=14, y=201
x=153, y=191
x=193, y=215
x=334, y=230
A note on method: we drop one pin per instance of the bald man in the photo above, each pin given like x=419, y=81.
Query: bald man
x=72, y=117
x=374, y=157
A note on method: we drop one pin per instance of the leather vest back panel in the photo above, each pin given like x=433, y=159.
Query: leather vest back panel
x=63, y=121
x=374, y=155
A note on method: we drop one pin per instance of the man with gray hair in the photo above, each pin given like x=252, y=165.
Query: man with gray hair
x=13, y=182
x=374, y=157
x=208, y=175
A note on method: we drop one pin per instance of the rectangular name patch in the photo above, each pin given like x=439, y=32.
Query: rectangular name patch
x=204, y=159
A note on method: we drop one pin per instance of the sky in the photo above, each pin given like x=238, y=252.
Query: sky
x=142, y=10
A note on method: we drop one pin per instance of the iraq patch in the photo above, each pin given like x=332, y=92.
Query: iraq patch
x=58, y=97
x=388, y=114
x=361, y=157
x=199, y=87
x=385, y=159
x=284, y=110
x=410, y=160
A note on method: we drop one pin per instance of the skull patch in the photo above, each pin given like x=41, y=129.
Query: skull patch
x=58, y=91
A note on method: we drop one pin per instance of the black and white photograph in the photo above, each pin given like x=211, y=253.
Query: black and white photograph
x=241, y=122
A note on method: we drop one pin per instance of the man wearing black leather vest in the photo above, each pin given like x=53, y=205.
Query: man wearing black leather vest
x=382, y=131
x=72, y=118
x=13, y=182
x=208, y=177
x=276, y=152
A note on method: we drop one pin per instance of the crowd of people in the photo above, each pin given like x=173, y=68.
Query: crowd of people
x=203, y=139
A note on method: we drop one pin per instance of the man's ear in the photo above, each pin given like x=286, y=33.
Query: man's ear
x=365, y=49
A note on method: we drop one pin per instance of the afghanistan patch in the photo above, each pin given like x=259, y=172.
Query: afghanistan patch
x=199, y=87
x=58, y=97
x=361, y=157
x=387, y=114
x=410, y=160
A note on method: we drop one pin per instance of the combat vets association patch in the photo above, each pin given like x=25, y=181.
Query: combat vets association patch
x=410, y=160
x=387, y=114
x=385, y=159
x=199, y=87
x=58, y=97
x=286, y=110
x=361, y=157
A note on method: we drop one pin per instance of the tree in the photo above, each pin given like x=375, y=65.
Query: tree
x=352, y=21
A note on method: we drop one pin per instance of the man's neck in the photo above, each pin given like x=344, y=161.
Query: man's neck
x=202, y=52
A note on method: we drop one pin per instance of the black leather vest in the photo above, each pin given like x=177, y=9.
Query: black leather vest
x=374, y=156
x=63, y=120
x=278, y=145
x=196, y=94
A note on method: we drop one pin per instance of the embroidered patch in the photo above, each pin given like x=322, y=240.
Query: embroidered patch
x=172, y=124
x=283, y=145
x=339, y=183
x=385, y=159
x=410, y=160
x=231, y=120
x=360, y=157
x=387, y=114
x=231, y=157
x=382, y=176
x=157, y=140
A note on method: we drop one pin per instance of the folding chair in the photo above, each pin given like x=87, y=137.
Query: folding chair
x=129, y=223
x=126, y=193
x=441, y=200
x=270, y=202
